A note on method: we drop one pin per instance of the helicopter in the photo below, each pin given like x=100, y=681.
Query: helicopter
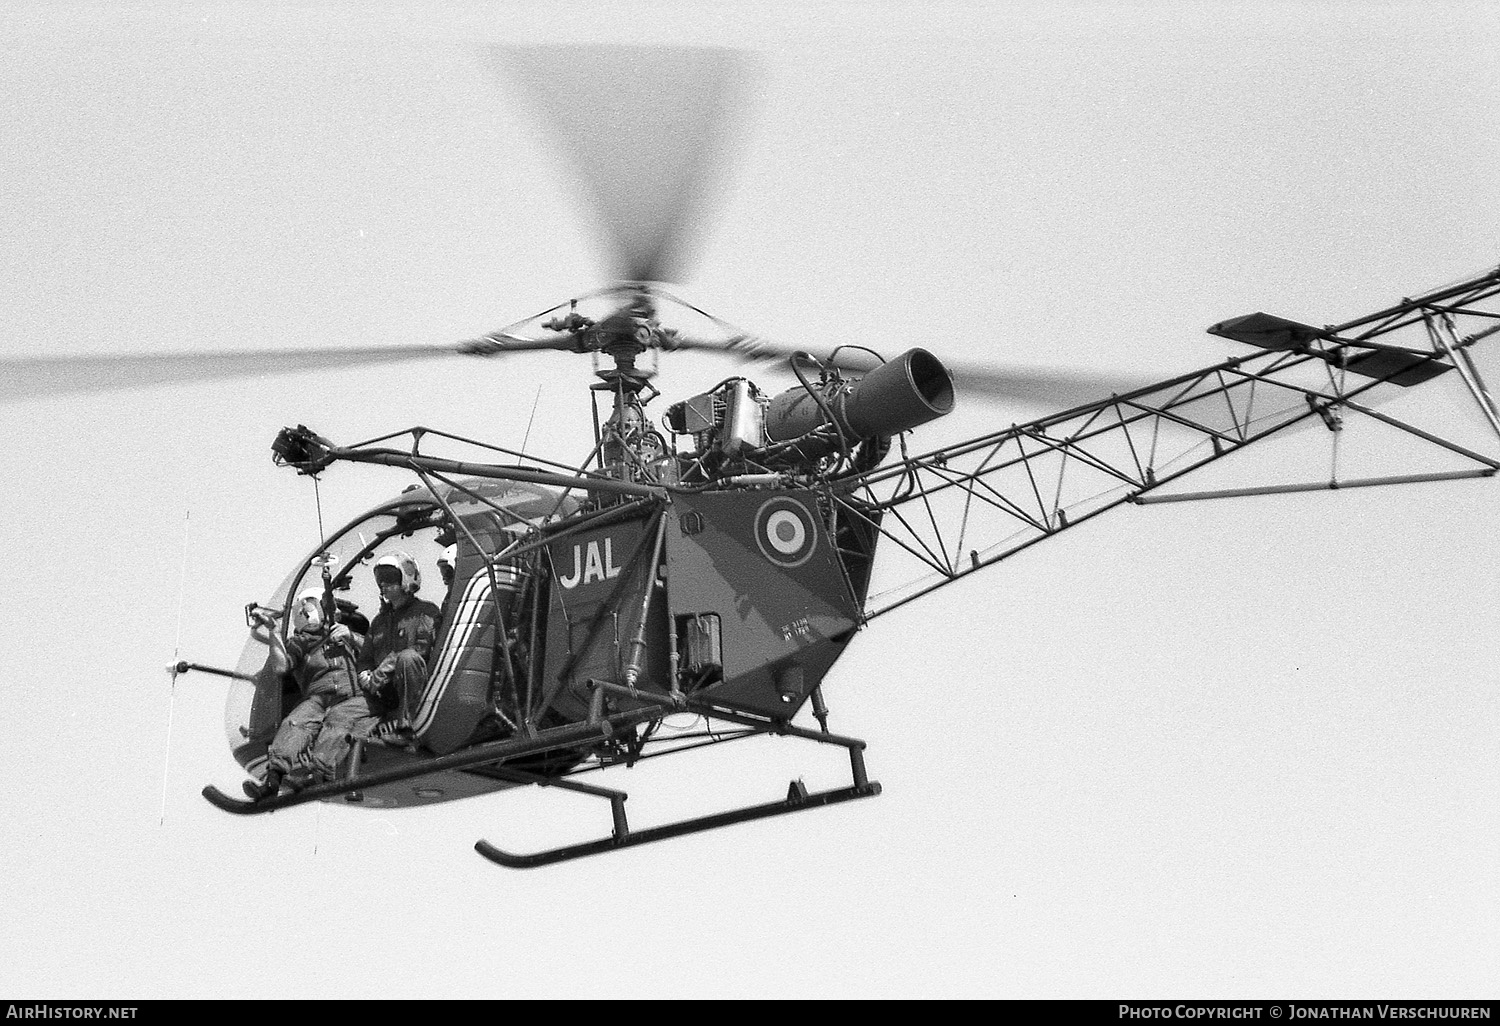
x=720, y=564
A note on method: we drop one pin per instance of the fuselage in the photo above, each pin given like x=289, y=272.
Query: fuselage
x=739, y=596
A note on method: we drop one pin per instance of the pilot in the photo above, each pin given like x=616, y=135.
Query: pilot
x=322, y=663
x=393, y=660
x=446, y=561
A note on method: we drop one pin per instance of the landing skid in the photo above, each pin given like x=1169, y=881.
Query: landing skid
x=796, y=800
x=490, y=759
x=493, y=753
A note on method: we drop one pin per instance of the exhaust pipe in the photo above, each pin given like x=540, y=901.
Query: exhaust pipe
x=897, y=396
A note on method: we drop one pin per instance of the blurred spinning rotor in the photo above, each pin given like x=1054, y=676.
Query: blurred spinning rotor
x=647, y=131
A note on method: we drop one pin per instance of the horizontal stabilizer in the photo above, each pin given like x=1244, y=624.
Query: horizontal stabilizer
x=1387, y=363
x=1403, y=367
x=1265, y=331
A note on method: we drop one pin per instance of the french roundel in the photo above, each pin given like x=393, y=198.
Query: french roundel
x=785, y=532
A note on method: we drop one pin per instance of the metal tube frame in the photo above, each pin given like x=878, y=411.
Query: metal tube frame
x=1159, y=434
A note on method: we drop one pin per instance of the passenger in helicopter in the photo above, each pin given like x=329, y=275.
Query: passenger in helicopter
x=393, y=659
x=321, y=661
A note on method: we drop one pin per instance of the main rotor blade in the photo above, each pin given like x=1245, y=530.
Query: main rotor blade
x=42, y=377
x=1051, y=386
x=646, y=128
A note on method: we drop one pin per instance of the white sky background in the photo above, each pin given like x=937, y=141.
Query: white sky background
x=1243, y=748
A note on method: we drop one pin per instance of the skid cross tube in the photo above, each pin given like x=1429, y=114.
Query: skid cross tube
x=797, y=797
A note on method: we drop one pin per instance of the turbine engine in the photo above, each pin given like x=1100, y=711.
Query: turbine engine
x=736, y=422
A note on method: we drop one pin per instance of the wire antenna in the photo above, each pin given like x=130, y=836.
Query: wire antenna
x=318, y=502
x=176, y=652
x=532, y=419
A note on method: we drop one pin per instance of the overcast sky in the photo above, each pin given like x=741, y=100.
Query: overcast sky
x=1238, y=749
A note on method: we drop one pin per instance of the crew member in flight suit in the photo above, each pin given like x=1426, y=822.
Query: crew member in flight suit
x=393, y=660
x=322, y=663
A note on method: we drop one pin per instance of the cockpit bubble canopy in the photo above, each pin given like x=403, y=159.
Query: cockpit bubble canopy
x=416, y=522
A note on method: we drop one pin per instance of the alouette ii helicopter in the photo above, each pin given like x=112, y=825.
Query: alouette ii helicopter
x=717, y=560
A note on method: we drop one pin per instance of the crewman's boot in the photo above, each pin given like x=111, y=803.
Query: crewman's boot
x=267, y=788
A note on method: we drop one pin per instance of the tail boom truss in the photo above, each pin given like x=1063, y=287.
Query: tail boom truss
x=969, y=505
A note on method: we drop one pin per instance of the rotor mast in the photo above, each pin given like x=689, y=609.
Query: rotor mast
x=626, y=444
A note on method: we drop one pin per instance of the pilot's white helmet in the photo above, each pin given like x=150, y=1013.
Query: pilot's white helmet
x=448, y=557
x=313, y=595
x=411, y=577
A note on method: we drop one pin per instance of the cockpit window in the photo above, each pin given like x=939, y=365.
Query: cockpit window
x=417, y=528
x=419, y=531
x=415, y=523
